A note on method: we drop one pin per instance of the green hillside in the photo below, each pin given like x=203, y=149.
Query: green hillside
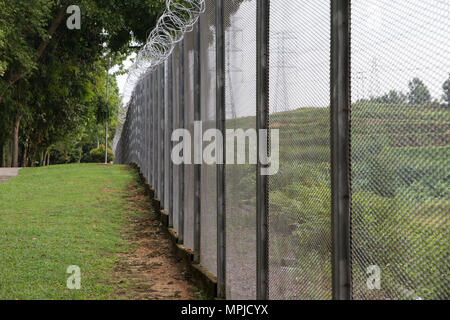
x=400, y=194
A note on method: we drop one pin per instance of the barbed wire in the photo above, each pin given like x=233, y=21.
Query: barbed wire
x=178, y=18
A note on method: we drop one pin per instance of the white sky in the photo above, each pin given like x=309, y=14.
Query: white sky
x=393, y=41
x=121, y=79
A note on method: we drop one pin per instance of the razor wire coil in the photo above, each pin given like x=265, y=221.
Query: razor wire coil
x=178, y=18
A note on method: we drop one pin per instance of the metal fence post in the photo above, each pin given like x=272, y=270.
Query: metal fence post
x=132, y=131
x=139, y=146
x=181, y=126
x=144, y=127
x=340, y=147
x=150, y=130
x=136, y=125
x=262, y=123
x=135, y=130
x=135, y=135
x=152, y=140
x=140, y=135
x=131, y=157
x=142, y=131
x=139, y=126
x=197, y=140
x=220, y=123
x=155, y=131
x=169, y=130
x=162, y=136
x=147, y=129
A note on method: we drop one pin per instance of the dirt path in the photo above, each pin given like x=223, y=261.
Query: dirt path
x=8, y=173
x=153, y=270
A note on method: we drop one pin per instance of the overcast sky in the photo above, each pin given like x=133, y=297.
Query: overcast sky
x=393, y=41
x=121, y=79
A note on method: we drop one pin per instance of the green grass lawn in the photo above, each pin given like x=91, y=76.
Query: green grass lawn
x=54, y=217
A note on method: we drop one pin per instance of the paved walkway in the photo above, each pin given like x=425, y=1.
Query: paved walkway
x=8, y=173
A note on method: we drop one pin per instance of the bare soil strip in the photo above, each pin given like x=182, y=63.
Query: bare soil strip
x=152, y=271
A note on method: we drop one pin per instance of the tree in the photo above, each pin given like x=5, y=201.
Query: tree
x=446, y=87
x=392, y=97
x=21, y=22
x=396, y=97
x=25, y=24
x=418, y=92
x=40, y=56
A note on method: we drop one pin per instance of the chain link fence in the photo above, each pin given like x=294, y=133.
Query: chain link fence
x=208, y=192
x=400, y=135
x=300, y=197
x=358, y=207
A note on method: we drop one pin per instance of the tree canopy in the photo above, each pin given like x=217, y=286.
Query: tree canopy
x=53, y=79
x=418, y=92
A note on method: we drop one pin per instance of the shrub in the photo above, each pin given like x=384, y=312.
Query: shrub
x=407, y=241
x=98, y=155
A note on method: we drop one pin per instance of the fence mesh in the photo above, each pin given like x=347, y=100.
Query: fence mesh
x=208, y=254
x=162, y=133
x=189, y=125
x=147, y=128
x=299, y=195
x=176, y=125
x=400, y=124
x=240, y=97
x=167, y=160
x=400, y=61
x=159, y=189
x=155, y=130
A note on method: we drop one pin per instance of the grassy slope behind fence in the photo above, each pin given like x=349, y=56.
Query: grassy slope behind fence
x=54, y=217
x=400, y=199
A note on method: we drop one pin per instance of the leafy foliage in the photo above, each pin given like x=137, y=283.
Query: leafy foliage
x=418, y=92
x=98, y=155
x=53, y=80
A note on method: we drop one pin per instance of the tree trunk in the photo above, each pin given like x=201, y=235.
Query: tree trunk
x=9, y=154
x=45, y=163
x=24, y=158
x=1, y=154
x=15, y=151
x=106, y=143
x=48, y=158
